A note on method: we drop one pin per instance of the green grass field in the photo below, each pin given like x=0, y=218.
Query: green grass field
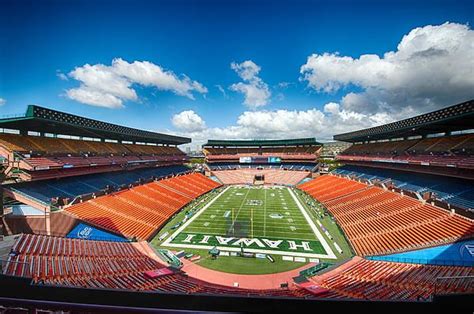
x=255, y=219
x=271, y=220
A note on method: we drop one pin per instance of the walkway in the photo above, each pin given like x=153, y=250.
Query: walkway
x=256, y=282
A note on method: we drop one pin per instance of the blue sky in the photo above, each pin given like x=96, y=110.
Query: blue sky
x=44, y=40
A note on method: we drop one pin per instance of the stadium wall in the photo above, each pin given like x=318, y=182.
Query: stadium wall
x=60, y=225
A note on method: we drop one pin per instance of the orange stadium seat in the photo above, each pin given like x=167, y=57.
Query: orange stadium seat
x=112, y=265
x=45, y=153
x=272, y=176
x=140, y=211
x=376, y=280
x=377, y=221
x=457, y=150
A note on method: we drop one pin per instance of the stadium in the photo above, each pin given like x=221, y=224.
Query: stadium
x=98, y=216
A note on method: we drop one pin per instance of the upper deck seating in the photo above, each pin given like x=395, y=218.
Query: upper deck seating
x=46, y=157
x=456, y=150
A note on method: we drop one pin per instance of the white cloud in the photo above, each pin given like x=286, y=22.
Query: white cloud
x=188, y=121
x=255, y=90
x=149, y=74
x=2, y=101
x=247, y=70
x=110, y=86
x=222, y=90
x=94, y=97
x=61, y=75
x=280, y=124
x=432, y=67
x=284, y=85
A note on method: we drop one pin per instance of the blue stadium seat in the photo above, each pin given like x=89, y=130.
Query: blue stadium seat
x=291, y=166
x=455, y=191
x=75, y=186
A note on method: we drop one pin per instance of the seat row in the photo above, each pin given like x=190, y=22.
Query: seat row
x=326, y=188
x=60, y=146
x=376, y=280
x=141, y=210
x=261, y=150
x=111, y=265
x=54, y=162
x=49, y=246
x=377, y=221
x=436, y=145
x=272, y=176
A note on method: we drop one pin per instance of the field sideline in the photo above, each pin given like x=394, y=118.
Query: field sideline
x=259, y=219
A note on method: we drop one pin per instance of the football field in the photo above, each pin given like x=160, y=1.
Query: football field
x=254, y=219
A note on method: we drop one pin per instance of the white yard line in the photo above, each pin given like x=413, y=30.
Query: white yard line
x=241, y=205
x=330, y=253
x=178, y=231
x=217, y=220
x=264, y=213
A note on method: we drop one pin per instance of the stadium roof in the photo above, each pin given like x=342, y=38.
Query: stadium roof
x=454, y=118
x=289, y=142
x=44, y=120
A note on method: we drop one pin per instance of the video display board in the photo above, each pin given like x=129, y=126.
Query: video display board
x=259, y=160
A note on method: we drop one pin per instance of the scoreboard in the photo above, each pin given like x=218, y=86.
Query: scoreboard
x=259, y=160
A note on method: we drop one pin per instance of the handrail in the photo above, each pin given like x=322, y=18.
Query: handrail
x=95, y=238
x=28, y=196
x=12, y=115
x=5, y=262
x=423, y=261
x=451, y=280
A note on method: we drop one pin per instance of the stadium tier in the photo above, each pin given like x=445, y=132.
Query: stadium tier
x=268, y=176
x=112, y=265
x=377, y=221
x=68, y=189
x=72, y=157
x=140, y=211
x=262, y=151
x=39, y=149
x=453, y=191
x=457, y=151
x=374, y=280
x=439, y=142
x=286, y=166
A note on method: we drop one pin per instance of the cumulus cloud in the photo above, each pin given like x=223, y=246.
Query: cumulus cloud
x=110, y=86
x=277, y=124
x=2, y=101
x=255, y=90
x=188, y=121
x=432, y=67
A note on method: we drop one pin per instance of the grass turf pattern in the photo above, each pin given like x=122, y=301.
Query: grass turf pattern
x=263, y=218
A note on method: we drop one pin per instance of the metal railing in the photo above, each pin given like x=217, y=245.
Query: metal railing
x=423, y=261
x=454, y=284
x=36, y=200
x=12, y=115
x=6, y=264
x=94, y=238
